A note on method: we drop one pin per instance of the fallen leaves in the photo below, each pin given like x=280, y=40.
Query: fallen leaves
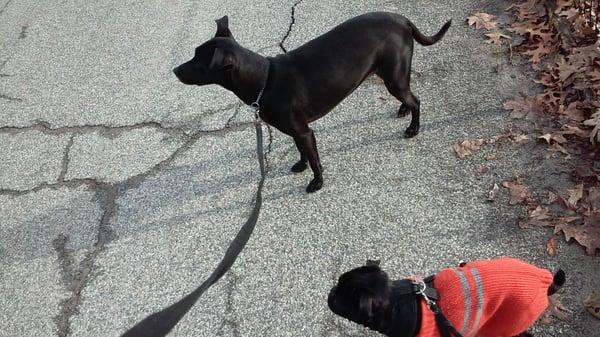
x=563, y=47
x=556, y=309
x=519, y=194
x=551, y=247
x=467, y=147
x=482, y=21
x=523, y=107
x=592, y=305
x=496, y=38
x=588, y=234
x=575, y=195
x=594, y=121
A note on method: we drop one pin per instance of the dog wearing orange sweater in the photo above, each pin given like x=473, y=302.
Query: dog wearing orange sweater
x=493, y=298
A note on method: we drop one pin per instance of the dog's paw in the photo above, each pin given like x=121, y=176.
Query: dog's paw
x=403, y=111
x=299, y=167
x=411, y=132
x=314, y=185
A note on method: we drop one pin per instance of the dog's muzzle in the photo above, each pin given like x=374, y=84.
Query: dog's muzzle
x=331, y=299
x=177, y=71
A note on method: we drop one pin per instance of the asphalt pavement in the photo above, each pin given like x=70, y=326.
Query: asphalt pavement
x=120, y=188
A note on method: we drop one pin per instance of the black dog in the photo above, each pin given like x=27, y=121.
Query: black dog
x=501, y=297
x=303, y=85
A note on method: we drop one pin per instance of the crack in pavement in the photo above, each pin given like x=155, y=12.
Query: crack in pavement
x=111, y=131
x=289, y=31
x=66, y=160
x=10, y=98
x=76, y=280
x=95, y=183
x=4, y=7
x=23, y=33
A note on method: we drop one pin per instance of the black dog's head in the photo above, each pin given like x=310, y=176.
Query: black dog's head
x=362, y=295
x=213, y=61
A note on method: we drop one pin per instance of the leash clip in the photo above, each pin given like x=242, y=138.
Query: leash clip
x=421, y=291
x=256, y=108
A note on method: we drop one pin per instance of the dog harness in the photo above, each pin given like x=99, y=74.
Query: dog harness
x=501, y=297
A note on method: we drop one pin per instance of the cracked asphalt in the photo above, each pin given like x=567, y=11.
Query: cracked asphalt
x=120, y=188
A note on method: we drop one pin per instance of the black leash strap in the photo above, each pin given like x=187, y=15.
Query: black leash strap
x=446, y=329
x=160, y=323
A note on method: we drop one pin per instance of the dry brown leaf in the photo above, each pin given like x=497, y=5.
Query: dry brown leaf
x=587, y=235
x=594, y=197
x=575, y=195
x=540, y=213
x=574, y=130
x=556, y=309
x=592, y=305
x=572, y=112
x=551, y=247
x=520, y=138
x=549, y=137
x=490, y=157
x=551, y=198
x=466, y=147
x=496, y=38
x=482, y=21
x=518, y=193
x=538, y=217
x=522, y=107
x=595, y=122
x=536, y=54
x=555, y=147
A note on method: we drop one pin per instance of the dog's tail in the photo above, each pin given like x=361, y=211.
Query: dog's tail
x=557, y=282
x=428, y=40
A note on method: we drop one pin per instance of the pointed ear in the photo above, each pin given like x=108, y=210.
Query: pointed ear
x=372, y=263
x=365, y=305
x=223, y=27
x=220, y=60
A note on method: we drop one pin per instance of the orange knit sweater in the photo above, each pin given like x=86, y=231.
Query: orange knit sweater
x=494, y=298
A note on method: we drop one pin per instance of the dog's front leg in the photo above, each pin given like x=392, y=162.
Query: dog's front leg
x=307, y=145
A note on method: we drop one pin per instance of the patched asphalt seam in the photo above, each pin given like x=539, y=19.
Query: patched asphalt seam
x=65, y=160
x=289, y=31
x=76, y=280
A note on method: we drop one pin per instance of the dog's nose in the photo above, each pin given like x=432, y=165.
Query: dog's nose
x=176, y=71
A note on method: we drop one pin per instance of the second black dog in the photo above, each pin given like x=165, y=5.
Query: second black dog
x=305, y=84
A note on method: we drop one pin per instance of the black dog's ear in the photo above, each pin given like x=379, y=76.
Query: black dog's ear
x=365, y=306
x=220, y=61
x=223, y=27
x=372, y=263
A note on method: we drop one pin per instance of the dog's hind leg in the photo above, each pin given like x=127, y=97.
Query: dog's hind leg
x=401, y=90
x=397, y=81
x=301, y=165
x=307, y=145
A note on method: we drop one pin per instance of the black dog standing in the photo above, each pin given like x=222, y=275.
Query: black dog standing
x=306, y=83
